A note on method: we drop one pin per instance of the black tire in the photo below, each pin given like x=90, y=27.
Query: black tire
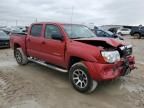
x=20, y=57
x=88, y=86
x=137, y=35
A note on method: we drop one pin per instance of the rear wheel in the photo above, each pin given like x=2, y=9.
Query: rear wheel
x=137, y=35
x=80, y=78
x=21, y=58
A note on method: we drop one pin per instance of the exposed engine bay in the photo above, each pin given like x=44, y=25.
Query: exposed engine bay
x=123, y=50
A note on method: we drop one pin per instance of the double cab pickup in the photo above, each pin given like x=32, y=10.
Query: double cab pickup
x=75, y=49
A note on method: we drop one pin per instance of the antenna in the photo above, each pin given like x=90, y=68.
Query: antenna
x=72, y=18
x=35, y=19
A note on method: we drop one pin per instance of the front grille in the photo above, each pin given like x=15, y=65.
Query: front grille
x=125, y=50
x=129, y=51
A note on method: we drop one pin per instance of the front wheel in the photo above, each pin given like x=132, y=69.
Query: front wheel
x=137, y=35
x=80, y=78
x=21, y=58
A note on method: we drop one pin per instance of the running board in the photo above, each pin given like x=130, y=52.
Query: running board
x=48, y=65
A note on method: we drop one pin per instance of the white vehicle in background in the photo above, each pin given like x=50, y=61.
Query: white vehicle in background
x=123, y=31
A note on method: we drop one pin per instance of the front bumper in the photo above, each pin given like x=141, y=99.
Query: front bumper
x=101, y=72
x=5, y=46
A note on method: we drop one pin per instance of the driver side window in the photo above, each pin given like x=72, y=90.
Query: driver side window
x=50, y=30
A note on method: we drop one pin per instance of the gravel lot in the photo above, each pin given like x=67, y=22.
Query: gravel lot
x=35, y=86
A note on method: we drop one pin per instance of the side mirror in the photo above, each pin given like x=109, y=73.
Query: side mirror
x=57, y=36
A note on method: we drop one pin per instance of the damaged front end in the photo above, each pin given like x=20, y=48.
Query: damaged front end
x=116, y=61
x=124, y=61
x=127, y=59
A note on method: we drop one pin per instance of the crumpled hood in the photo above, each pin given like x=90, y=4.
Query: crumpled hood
x=109, y=41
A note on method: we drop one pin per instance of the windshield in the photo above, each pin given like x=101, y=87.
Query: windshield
x=104, y=33
x=109, y=32
x=78, y=31
x=3, y=34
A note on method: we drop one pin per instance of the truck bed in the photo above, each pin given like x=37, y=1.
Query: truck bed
x=18, y=39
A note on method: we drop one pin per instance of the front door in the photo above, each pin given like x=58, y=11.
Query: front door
x=53, y=50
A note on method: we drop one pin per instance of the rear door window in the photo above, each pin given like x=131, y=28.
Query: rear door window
x=36, y=30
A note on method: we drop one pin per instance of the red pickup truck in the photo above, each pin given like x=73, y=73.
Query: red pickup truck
x=75, y=49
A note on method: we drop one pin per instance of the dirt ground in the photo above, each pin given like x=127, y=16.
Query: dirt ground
x=35, y=86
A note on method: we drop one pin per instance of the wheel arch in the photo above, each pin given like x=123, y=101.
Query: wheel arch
x=16, y=45
x=136, y=33
x=73, y=60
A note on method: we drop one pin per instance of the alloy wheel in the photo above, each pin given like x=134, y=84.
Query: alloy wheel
x=80, y=78
x=18, y=56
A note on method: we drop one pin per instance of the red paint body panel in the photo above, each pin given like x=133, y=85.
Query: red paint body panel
x=20, y=40
x=101, y=72
x=59, y=52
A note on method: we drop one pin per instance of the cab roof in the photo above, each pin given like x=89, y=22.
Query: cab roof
x=58, y=23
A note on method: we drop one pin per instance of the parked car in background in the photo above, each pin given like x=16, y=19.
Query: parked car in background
x=107, y=34
x=113, y=30
x=123, y=31
x=7, y=30
x=4, y=40
x=75, y=49
x=18, y=29
x=137, y=32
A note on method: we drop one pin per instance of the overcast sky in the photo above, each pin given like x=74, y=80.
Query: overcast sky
x=99, y=12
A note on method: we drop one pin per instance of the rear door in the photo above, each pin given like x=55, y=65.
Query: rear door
x=53, y=50
x=34, y=41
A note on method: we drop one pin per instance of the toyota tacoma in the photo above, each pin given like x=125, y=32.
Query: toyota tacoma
x=75, y=49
